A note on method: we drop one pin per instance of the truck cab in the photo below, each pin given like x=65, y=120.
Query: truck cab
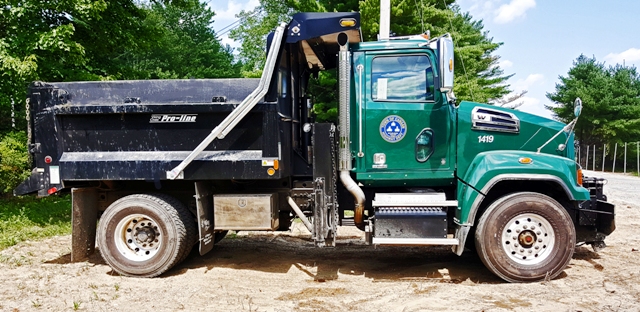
x=408, y=124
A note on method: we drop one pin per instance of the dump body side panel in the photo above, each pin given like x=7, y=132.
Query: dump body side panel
x=138, y=130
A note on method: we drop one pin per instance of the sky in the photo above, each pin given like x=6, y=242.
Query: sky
x=541, y=39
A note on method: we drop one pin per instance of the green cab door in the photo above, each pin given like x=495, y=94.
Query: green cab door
x=407, y=128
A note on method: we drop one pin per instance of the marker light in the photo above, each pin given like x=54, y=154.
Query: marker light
x=450, y=65
x=525, y=160
x=276, y=165
x=347, y=22
x=579, y=176
x=47, y=159
x=271, y=171
x=52, y=190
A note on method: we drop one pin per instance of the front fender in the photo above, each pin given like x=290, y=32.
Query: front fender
x=489, y=168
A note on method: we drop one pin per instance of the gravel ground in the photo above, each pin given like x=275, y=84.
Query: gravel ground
x=284, y=272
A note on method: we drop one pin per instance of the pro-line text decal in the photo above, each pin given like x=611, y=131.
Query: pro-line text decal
x=158, y=118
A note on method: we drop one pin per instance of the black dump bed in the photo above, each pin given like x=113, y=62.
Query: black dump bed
x=138, y=130
x=87, y=132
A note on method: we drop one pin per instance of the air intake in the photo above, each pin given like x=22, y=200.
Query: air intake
x=494, y=120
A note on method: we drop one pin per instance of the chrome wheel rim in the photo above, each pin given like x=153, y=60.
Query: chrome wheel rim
x=138, y=237
x=528, y=239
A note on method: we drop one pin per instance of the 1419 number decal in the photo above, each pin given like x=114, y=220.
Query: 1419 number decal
x=485, y=139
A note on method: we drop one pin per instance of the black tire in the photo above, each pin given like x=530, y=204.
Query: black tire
x=525, y=237
x=145, y=235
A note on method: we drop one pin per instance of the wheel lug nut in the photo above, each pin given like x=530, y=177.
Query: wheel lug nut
x=539, y=240
x=533, y=227
x=515, y=237
x=537, y=247
x=538, y=232
x=518, y=231
x=521, y=250
x=530, y=250
x=525, y=227
x=516, y=245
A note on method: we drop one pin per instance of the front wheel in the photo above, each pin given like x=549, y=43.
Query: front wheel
x=145, y=235
x=525, y=237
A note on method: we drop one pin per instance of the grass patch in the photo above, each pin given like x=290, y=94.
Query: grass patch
x=29, y=218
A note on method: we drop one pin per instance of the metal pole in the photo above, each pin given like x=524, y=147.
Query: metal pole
x=586, y=163
x=385, y=13
x=625, y=157
x=579, y=151
x=604, y=153
x=615, y=152
x=638, y=156
x=594, y=157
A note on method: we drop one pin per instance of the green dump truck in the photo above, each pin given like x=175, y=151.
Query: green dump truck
x=165, y=165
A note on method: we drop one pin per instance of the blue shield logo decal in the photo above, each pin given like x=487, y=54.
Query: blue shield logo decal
x=393, y=128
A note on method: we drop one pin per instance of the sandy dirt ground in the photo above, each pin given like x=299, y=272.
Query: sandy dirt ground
x=284, y=272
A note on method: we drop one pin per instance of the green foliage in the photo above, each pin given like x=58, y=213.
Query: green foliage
x=323, y=92
x=340, y=6
x=183, y=46
x=27, y=218
x=14, y=161
x=610, y=97
x=253, y=30
x=34, y=33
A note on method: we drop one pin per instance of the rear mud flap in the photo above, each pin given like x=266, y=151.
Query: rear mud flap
x=32, y=184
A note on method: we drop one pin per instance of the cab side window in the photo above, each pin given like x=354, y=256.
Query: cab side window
x=402, y=78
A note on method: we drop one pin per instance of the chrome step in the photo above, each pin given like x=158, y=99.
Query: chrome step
x=415, y=241
x=413, y=200
x=348, y=222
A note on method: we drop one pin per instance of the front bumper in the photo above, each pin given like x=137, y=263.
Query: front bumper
x=594, y=218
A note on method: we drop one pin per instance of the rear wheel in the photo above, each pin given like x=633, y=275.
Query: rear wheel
x=145, y=235
x=524, y=237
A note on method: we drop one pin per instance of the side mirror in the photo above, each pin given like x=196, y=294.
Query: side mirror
x=445, y=61
x=577, y=107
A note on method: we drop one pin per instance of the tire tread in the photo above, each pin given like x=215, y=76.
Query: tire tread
x=182, y=219
x=484, y=220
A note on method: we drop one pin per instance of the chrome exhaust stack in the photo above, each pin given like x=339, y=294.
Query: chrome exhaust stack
x=344, y=128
